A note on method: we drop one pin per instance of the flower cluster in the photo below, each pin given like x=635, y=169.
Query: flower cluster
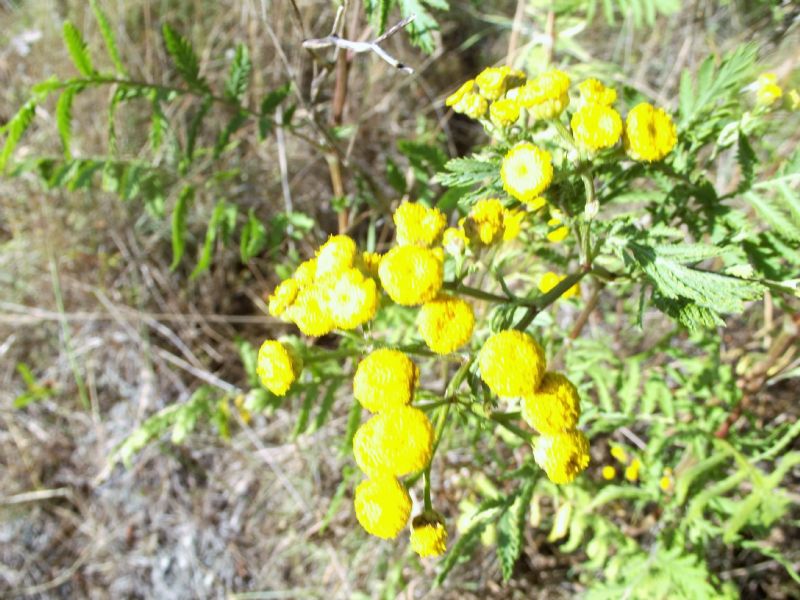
x=512, y=364
x=277, y=366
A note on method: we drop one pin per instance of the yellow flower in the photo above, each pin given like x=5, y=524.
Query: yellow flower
x=632, y=470
x=619, y=453
x=526, y=171
x=493, y=82
x=336, y=256
x=767, y=89
x=352, y=299
x=428, y=534
x=504, y=112
x=310, y=311
x=397, y=441
x=412, y=275
x=467, y=87
x=547, y=95
x=472, y=105
x=306, y=272
x=445, y=323
x=382, y=506
x=283, y=297
x=418, y=225
x=554, y=407
x=512, y=363
x=385, y=379
x=609, y=472
x=593, y=91
x=596, y=126
x=650, y=133
x=536, y=203
x=562, y=456
x=550, y=280
x=370, y=261
x=455, y=241
x=559, y=232
x=277, y=366
x=512, y=223
x=484, y=225
x=665, y=483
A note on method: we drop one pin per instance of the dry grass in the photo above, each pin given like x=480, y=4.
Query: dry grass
x=213, y=518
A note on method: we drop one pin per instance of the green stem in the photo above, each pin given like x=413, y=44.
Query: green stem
x=481, y=295
x=547, y=299
x=564, y=133
x=426, y=475
x=501, y=420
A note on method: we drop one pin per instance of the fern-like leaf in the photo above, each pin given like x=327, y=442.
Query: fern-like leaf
x=179, y=225
x=77, y=50
x=239, y=75
x=64, y=118
x=108, y=37
x=183, y=57
x=15, y=129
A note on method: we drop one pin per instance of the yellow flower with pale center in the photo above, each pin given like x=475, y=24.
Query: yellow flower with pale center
x=547, y=95
x=609, y=472
x=336, y=256
x=554, y=407
x=596, y=126
x=412, y=275
x=526, y=171
x=550, y=280
x=283, y=296
x=385, y=379
x=418, y=225
x=493, y=82
x=619, y=453
x=593, y=91
x=446, y=323
x=504, y=112
x=563, y=456
x=559, y=232
x=306, y=272
x=382, y=506
x=277, y=366
x=767, y=89
x=468, y=87
x=472, y=105
x=397, y=441
x=428, y=534
x=512, y=363
x=310, y=311
x=650, y=133
x=632, y=470
x=352, y=299
x=455, y=241
x=370, y=261
x=512, y=223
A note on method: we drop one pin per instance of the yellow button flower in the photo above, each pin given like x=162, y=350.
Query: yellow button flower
x=455, y=241
x=418, y=225
x=382, y=506
x=397, y=441
x=336, y=256
x=472, y=105
x=554, y=407
x=370, y=261
x=563, y=456
x=467, y=87
x=650, y=133
x=484, y=225
x=512, y=223
x=493, y=82
x=306, y=272
x=512, y=363
x=283, y=296
x=504, y=112
x=310, y=311
x=632, y=470
x=550, y=280
x=412, y=275
x=428, y=534
x=593, y=91
x=596, y=126
x=609, y=472
x=445, y=323
x=547, y=95
x=767, y=89
x=352, y=299
x=665, y=483
x=385, y=379
x=619, y=453
x=277, y=366
x=526, y=171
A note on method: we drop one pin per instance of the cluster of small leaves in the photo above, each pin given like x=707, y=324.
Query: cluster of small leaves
x=421, y=29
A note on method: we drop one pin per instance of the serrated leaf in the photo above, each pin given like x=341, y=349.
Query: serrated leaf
x=239, y=75
x=221, y=222
x=274, y=98
x=747, y=159
x=233, y=125
x=511, y=528
x=421, y=29
x=64, y=118
x=254, y=237
x=77, y=49
x=183, y=57
x=460, y=172
x=108, y=37
x=179, y=225
x=15, y=129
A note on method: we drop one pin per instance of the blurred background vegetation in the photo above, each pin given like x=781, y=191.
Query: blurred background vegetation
x=101, y=326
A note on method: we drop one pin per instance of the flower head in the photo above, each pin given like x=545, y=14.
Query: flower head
x=512, y=363
x=310, y=311
x=650, y=133
x=632, y=470
x=547, y=95
x=283, y=296
x=305, y=272
x=445, y=323
x=504, y=112
x=512, y=223
x=558, y=231
x=494, y=81
x=593, y=91
x=596, y=126
x=562, y=456
x=619, y=453
x=767, y=89
x=370, y=261
x=472, y=105
x=554, y=407
x=484, y=225
x=455, y=241
x=277, y=366
x=352, y=299
x=382, y=506
x=385, y=379
x=526, y=171
x=418, y=225
x=468, y=87
x=412, y=275
x=397, y=441
x=550, y=280
x=609, y=472
x=336, y=256
x=428, y=534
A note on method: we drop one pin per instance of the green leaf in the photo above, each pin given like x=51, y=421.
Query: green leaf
x=353, y=421
x=511, y=529
x=64, y=118
x=274, y=98
x=461, y=172
x=776, y=213
x=179, y=225
x=747, y=159
x=15, y=129
x=239, y=75
x=77, y=50
x=254, y=237
x=233, y=125
x=424, y=25
x=378, y=13
x=305, y=410
x=108, y=37
x=183, y=57
x=222, y=220
x=194, y=128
